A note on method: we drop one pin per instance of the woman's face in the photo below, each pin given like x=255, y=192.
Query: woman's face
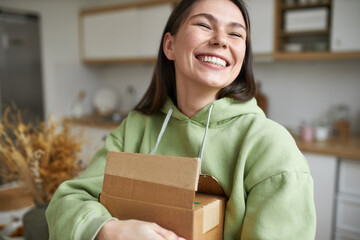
x=209, y=48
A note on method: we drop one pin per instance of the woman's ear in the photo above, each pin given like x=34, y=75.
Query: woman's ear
x=168, y=46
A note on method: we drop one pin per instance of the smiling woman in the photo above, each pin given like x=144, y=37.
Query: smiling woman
x=209, y=25
x=202, y=91
x=206, y=39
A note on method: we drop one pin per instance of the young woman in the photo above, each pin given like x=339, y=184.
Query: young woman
x=204, y=75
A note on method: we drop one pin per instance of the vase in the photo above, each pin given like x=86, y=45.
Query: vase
x=35, y=224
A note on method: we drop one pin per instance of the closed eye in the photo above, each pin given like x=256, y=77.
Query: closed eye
x=236, y=35
x=203, y=25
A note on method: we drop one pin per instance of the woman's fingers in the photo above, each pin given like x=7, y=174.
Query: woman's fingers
x=134, y=230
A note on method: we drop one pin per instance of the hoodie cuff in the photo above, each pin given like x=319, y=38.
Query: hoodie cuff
x=90, y=230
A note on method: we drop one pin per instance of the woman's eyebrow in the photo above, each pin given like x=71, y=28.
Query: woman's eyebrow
x=214, y=19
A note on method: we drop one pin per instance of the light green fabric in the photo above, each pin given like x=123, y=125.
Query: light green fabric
x=257, y=162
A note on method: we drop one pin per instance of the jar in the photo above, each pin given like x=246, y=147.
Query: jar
x=307, y=132
x=341, y=122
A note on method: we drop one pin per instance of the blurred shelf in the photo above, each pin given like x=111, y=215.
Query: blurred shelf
x=304, y=33
x=93, y=121
x=301, y=56
x=343, y=148
x=297, y=6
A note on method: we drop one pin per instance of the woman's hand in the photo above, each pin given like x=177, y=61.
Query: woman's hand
x=133, y=230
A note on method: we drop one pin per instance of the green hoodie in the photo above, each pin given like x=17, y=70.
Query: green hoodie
x=264, y=175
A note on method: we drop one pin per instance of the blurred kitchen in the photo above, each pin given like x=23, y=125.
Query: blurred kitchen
x=95, y=60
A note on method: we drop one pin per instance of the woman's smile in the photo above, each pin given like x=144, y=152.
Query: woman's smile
x=209, y=48
x=213, y=60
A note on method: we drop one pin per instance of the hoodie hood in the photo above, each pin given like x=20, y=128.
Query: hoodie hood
x=223, y=111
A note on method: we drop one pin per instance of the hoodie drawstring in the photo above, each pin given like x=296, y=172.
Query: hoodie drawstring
x=165, y=123
x=204, y=138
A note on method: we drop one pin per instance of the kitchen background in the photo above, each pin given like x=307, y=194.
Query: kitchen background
x=298, y=91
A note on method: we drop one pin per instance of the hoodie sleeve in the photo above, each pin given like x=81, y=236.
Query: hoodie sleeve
x=74, y=211
x=281, y=207
x=280, y=201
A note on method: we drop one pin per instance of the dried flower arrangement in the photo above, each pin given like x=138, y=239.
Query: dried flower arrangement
x=41, y=156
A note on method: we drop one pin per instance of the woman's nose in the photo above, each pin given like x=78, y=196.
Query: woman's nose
x=219, y=41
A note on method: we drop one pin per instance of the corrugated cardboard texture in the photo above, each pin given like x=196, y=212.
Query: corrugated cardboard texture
x=146, y=191
x=205, y=222
x=166, y=170
x=177, y=219
x=161, y=189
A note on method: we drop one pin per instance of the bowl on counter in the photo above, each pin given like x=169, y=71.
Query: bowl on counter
x=322, y=133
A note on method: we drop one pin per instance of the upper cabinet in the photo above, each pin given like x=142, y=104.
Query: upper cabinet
x=262, y=26
x=280, y=30
x=345, y=33
x=123, y=33
x=316, y=29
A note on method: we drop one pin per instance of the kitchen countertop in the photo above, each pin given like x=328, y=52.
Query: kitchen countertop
x=344, y=148
x=93, y=121
x=340, y=147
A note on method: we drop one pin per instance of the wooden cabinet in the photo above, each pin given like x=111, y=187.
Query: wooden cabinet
x=323, y=170
x=262, y=26
x=345, y=33
x=348, y=201
x=123, y=33
x=303, y=27
x=310, y=29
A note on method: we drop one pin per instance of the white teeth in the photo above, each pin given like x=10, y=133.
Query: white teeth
x=213, y=60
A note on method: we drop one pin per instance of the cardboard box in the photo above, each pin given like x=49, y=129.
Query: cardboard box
x=162, y=189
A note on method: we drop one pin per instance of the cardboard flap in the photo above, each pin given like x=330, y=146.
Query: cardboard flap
x=209, y=184
x=151, y=178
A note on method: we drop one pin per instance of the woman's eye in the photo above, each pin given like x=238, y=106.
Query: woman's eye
x=204, y=25
x=236, y=35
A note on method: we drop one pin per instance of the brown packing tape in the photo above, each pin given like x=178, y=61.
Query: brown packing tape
x=210, y=205
x=205, y=228
x=211, y=215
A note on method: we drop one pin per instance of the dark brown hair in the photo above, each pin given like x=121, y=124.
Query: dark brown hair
x=163, y=82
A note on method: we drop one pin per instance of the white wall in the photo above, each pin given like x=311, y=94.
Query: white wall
x=296, y=91
x=308, y=91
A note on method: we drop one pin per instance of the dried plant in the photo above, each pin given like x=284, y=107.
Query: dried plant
x=40, y=155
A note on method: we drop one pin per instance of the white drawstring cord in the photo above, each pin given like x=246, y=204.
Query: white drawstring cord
x=204, y=138
x=166, y=121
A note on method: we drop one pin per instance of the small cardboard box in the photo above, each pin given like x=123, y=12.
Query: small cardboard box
x=162, y=189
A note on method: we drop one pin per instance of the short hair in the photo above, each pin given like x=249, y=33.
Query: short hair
x=163, y=83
